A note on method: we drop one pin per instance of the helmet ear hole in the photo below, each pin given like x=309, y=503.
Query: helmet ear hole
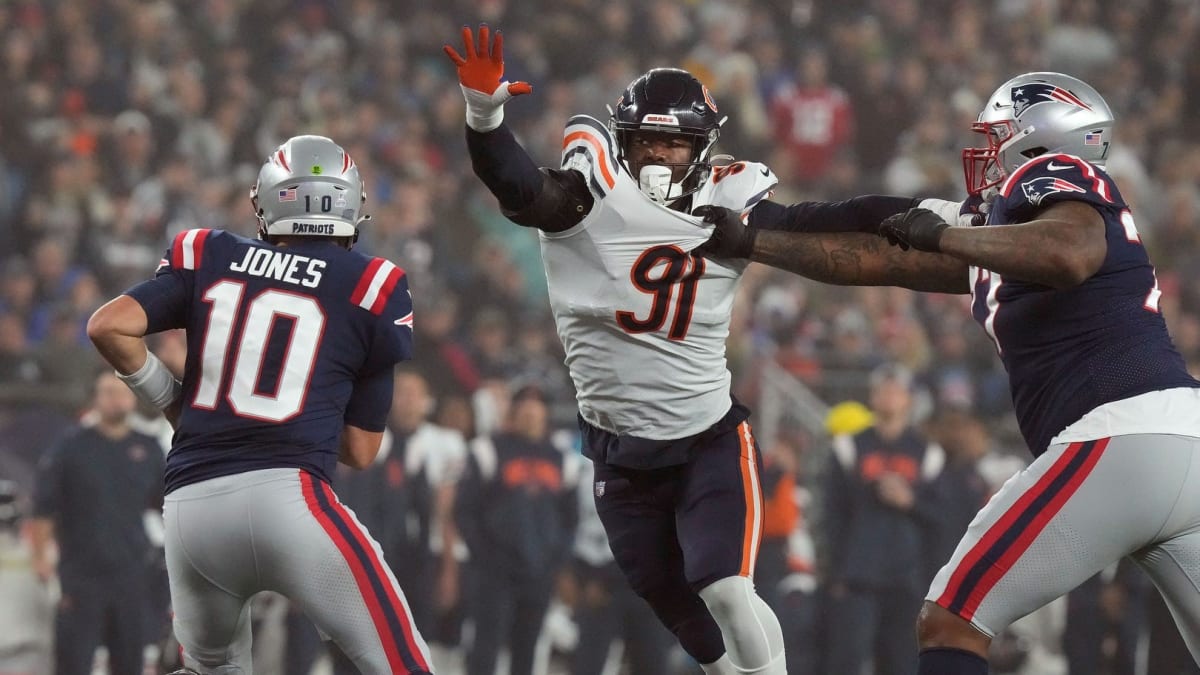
x=1034, y=152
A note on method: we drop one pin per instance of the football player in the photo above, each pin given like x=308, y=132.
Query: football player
x=292, y=339
x=1061, y=282
x=644, y=323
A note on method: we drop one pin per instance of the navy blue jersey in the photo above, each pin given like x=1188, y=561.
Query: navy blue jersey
x=1069, y=351
x=285, y=346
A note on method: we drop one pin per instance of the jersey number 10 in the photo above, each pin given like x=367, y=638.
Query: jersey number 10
x=259, y=317
x=675, y=267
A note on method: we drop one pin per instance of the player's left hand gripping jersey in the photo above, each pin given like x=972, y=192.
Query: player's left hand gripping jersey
x=1070, y=351
x=286, y=345
x=643, y=321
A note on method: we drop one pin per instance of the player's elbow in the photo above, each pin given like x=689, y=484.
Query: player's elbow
x=359, y=447
x=355, y=461
x=1071, y=270
x=1074, y=275
x=120, y=317
x=102, y=325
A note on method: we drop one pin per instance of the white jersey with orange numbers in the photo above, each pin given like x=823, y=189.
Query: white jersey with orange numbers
x=642, y=320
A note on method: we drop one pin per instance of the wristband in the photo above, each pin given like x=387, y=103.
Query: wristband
x=483, y=114
x=153, y=383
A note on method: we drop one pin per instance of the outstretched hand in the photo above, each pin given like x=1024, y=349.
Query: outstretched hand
x=731, y=238
x=915, y=228
x=480, y=74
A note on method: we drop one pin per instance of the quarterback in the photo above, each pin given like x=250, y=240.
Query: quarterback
x=292, y=339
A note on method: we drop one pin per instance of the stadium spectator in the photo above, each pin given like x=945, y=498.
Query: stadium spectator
x=516, y=510
x=880, y=504
x=93, y=488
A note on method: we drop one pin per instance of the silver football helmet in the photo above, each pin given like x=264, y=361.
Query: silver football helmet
x=309, y=187
x=1031, y=115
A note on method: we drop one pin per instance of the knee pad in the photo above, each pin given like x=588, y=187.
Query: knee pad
x=750, y=630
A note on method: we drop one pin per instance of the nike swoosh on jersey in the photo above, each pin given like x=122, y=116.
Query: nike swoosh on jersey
x=765, y=171
x=1057, y=167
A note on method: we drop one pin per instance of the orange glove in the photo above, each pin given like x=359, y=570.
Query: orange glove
x=479, y=75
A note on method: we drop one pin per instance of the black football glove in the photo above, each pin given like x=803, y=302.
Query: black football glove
x=972, y=212
x=915, y=228
x=730, y=237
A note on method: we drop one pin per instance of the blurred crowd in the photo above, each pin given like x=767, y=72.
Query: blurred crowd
x=127, y=121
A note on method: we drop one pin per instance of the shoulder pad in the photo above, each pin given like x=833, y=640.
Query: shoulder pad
x=375, y=285
x=1059, y=177
x=738, y=186
x=588, y=148
x=187, y=249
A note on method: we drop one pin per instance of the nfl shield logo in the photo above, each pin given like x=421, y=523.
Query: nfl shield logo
x=600, y=488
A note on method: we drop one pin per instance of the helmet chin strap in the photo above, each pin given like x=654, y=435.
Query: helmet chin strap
x=655, y=182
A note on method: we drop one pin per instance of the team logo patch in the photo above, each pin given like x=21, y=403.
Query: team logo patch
x=1029, y=95
x=708, y=98
x=1039, y=188
x=599, y=488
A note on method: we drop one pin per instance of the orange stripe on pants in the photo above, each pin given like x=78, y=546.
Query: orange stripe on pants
x=752, y=494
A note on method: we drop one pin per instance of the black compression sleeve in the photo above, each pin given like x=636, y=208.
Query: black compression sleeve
x=859, y=214
x=504, y=167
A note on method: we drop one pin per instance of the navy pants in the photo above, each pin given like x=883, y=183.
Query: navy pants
x=877, y=624
x=674, y=530
x=110, y=611
x=609, y=611
x=510, y=612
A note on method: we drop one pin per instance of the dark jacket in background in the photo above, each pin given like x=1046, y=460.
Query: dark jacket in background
x=516, y=506
x=872, y=544
x=96, y=491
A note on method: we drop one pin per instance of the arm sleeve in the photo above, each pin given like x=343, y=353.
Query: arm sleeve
x=547, y=199
x=165, y=298
x=370, y=401
x=858, y=214
x=504, y=167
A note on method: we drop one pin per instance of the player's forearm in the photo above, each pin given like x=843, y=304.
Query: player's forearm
x=854, y=259
x=504, y=167
x=1047, y=252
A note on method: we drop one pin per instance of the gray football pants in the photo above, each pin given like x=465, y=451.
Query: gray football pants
x=1074, y=511
x=281, y=530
